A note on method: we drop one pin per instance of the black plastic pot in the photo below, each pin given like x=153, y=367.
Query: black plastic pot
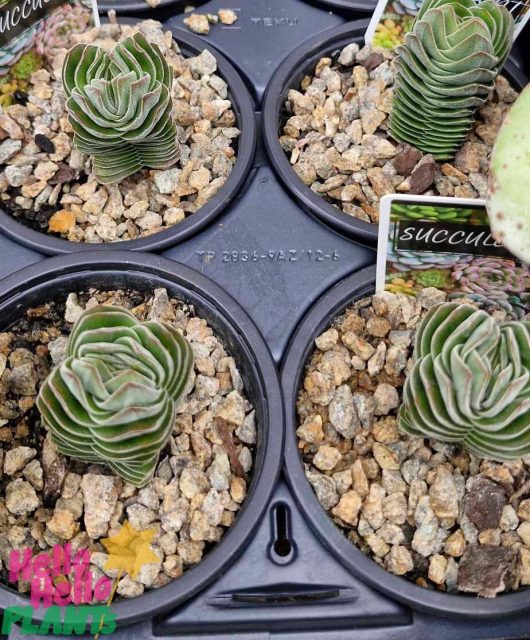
x=352, y=288
x=59, y=276
x=348, y=6
x=243, y=108
x=289, y=75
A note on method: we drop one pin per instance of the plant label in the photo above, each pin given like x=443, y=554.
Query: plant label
x=428, y=241
x=392, y=19
x=31, y=31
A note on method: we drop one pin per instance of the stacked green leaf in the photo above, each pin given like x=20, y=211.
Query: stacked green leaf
x=470, y=383
x=120, y=107
x=114, y=399
x=446, y=69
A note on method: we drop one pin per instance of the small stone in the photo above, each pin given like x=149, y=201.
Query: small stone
x=386, y=398
x=129, y=588
x=406, y=159
x=18, y=176
x=140, y=516
x=455, y=544
x=395, y=508
x=437, y=569
x=106, y=228
x=486, y=570
x=524, y=509
x=509, y=520
x=348, y=508
x=8, y=148
x=377, y=326
x=100, y=494
x=167, y=181
x=34, y=474
x=443, y=494
x=360, y=481
x=197, y=23
x=21, y=498
x=324, y=488
x=422, y=177
x=386, y=430
x=524, y=532
x=399, y=560
x=16, y=459
x=373, y=506
x=342, y=414
x=227, y=16
x=484, y=502
x=62, y=221
x=385, y=457
x=44, y=143
x=33, y=190
x=13, y=130
x=62, y=524
x=523, y=567
x=46, y=170
x=327, y=340
x=311, y=429
x=347, y=55
x=327, y=458
x=428, y=537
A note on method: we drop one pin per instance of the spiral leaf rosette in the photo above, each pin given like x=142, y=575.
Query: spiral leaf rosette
x=120, y=107
x=470, y=383
x=446, y=69
x=114, y=399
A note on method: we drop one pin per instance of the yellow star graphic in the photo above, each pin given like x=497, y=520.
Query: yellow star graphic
x=129, y=550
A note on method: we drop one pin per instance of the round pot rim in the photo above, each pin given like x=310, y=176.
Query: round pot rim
x=348, y=5
x=191, y=45
x=264, y=478
x=135, y=6
x=352, y=288
x=334, y=37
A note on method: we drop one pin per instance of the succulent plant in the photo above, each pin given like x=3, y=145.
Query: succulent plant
x=10, y=54
x=406, y=7
x=470, y=383
x=495, y=278
x=114, y=399
x=431, y=212
x=507, y=203
x=515, y=307
x=446, y=69
x=54, y=32
x=439, y=278
x=120, y=107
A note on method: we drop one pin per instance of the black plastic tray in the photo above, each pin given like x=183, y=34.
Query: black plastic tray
x=278, y=262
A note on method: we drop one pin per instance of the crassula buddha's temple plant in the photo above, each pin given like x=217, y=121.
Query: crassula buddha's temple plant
x=509, y=185
x=470, y=383
x=114, y=399
x=120, y=107
x=446, y=69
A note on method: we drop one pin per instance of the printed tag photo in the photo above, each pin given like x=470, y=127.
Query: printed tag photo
x=392, y=20
x=446, y=243
x=30, y=31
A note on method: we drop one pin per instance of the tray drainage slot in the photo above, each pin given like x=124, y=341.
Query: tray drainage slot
x=284, y=595
x=282, y=545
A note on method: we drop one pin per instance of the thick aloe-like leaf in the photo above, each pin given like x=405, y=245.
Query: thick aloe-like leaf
x=448, y=65
x=119, y=105
x=470, y=383
x=508, y=202
x=114, y=399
